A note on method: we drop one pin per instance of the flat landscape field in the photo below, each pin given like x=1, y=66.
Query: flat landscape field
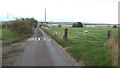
x=90, y=48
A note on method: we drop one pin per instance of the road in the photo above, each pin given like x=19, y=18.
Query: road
x=44, y=51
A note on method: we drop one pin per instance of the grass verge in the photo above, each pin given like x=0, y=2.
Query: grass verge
x=9, y=55
x=10, y=37
x=114, y=50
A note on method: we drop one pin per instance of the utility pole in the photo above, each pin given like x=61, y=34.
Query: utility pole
x=45, y=15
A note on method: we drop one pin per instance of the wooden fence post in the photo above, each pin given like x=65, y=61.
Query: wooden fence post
x=109, y=34
x=65, y=37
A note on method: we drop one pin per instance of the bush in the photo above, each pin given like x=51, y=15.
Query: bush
x=78, y=24
x=5, y=25
x=114, y=26
x=23, y=26
x=74, y=25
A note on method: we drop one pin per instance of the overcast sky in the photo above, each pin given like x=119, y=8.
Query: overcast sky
x=93, y=11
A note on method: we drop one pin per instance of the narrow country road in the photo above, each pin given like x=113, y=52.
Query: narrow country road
x=43, y=51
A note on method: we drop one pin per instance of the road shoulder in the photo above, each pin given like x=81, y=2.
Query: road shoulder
x=12, y=52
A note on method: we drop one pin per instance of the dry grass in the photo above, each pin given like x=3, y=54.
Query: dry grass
x=113, y=44
x=12, y=52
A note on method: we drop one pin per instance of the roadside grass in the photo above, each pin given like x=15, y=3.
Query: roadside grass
x=113, y=43
x=91, y=55
x=9, y=55
x=10, y=37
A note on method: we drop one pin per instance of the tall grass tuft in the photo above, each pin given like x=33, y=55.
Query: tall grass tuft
x=113, y=47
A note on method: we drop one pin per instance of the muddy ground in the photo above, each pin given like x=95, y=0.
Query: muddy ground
x=11, y=52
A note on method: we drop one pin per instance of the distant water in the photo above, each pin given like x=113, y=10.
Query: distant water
x=83, y=25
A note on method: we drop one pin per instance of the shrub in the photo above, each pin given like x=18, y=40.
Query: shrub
x=78, y=24
x=23, y=26
x=59, y=26
x=74, y=25
x=5, y=25
x=114, y=26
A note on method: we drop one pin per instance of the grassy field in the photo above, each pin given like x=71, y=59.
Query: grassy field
x=89, y=53
x=10, y=37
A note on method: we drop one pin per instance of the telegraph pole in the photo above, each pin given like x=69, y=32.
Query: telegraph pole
x=45, y=15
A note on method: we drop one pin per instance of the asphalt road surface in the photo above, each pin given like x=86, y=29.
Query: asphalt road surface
x=43, y=51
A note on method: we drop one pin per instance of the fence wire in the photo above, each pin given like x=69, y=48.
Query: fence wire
x=94, y=37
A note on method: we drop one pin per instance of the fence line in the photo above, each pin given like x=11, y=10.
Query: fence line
x=93, y=37
x=78, y=36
